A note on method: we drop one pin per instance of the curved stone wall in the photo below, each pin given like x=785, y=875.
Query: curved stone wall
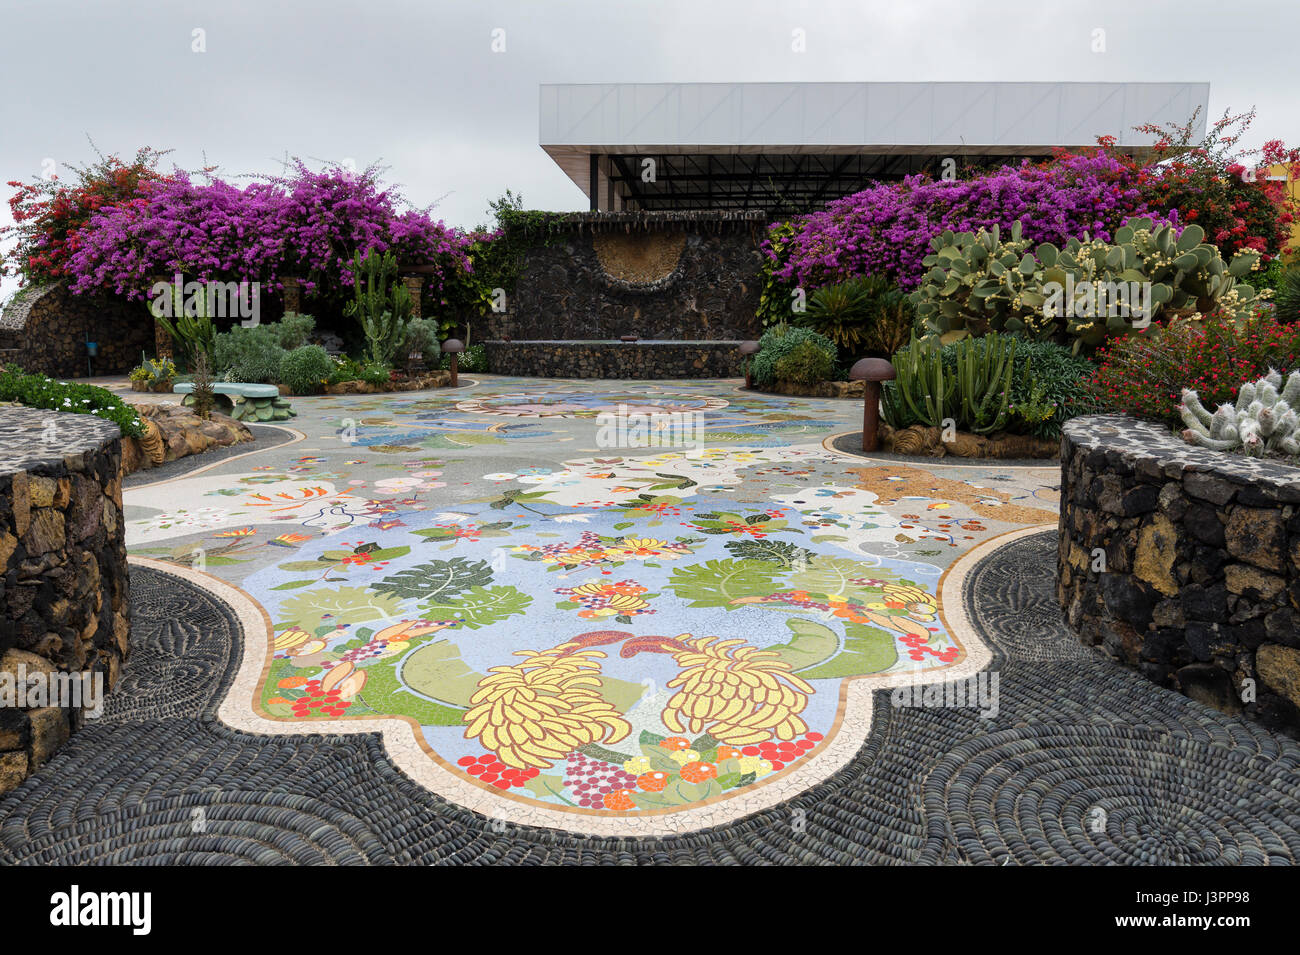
x=1184, y=563
x=626, y=360
x=45, y=331
x=64, y=619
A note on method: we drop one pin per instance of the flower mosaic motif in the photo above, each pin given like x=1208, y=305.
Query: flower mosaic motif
x=603, y=636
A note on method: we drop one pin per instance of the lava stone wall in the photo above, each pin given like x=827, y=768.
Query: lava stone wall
x=677, y=276
x=1184, y=563
x=46, y=330
x=628, y=360
x=63, y=572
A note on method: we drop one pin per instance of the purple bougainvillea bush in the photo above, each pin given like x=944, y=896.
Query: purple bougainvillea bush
x=887, y=228
x=309, y=224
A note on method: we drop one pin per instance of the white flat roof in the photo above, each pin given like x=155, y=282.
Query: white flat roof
x=991, y=117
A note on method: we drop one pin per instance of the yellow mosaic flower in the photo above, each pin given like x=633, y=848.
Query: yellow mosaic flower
x=683, y=756
x=735, y=692
x=756, y=765
x=535, y=712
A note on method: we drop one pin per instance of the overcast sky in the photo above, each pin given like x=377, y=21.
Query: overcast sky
x=417, y=85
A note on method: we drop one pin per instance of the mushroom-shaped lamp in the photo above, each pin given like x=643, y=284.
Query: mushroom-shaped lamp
x=871, y=371
x=746, y=350
x=453, y=347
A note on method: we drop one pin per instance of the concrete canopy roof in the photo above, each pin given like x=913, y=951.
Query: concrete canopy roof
x=578, y=121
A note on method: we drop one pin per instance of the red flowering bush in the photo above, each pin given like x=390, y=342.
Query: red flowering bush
x=1144, y=374
x=1225, y=191
x=49, y=214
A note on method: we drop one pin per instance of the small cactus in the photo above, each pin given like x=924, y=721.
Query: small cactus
x=1264, y=420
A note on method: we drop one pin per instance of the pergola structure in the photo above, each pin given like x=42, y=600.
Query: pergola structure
x=675, y=146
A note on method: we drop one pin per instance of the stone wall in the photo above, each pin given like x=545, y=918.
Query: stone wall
x=675, y=276
x=625, y=360
x=46, y=330
x=1184, y=563
x=63, y=573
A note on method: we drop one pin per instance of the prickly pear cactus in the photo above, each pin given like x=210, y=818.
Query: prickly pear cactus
x=1264, y=419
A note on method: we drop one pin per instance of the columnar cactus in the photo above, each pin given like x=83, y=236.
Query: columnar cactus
x=1263, y=421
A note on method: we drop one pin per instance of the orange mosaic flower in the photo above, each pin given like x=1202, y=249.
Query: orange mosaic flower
x=676, y=742
x=728, y=752
x=619, y=799
x=292, y=682
x=276, y=699
x=652, y=782
x=699, y=772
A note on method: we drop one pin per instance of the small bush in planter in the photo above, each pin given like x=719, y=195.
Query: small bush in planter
x=153, y=374
x=805, y=365
x=349, y=369
x=474, y=358
x=249, y=354
x=779, y=341
x=305, y=369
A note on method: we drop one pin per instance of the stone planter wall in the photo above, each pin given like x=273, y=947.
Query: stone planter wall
x=1184, y=563
x=46, y=332
x=626, y=360
x=63, y=573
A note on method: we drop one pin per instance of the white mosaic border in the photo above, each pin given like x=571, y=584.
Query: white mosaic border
x=404, y=747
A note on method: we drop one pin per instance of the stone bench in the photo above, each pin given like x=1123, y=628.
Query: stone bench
x=244, y=401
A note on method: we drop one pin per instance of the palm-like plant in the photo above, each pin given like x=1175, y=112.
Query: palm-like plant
x=865, y=314
x=1286, y=297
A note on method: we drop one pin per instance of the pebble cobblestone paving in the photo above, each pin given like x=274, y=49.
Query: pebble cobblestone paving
x=733, y=653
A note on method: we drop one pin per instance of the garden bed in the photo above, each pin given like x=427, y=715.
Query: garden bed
x=1184, y=564
x=921, y=441
x=421, y=382
x=821, y=389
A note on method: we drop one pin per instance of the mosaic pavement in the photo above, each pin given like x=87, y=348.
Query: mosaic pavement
x=461, y=626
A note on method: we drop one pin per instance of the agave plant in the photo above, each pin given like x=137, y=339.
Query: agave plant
x=1262, y=421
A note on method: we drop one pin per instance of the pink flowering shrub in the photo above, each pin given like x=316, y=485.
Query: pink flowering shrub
x=887, y=228
x=309, y=225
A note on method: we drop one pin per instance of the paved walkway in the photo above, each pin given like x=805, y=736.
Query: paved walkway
x=479, y=626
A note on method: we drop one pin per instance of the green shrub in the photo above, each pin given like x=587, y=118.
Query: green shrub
x=805, y=365
x=248, y=354
x=422, y=337
x=305, y=369
x=349, y=369
x=37, y=391
x=293, y=330
x=779, y=341
x=472, y=359
x=1286, y=295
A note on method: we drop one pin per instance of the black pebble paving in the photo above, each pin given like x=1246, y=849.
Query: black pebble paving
x=1085, y=763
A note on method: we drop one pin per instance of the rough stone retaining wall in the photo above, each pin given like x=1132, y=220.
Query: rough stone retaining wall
x=63, y=573
x=629, y=360
x=46, y=330
x=680, y=276
x=1198, y=581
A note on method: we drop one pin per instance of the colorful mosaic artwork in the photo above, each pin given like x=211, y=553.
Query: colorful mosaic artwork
x=592, y=631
